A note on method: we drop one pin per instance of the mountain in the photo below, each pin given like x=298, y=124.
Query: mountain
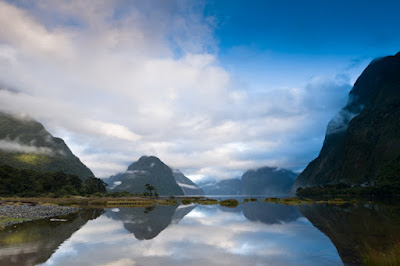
x=362, y=142
x=262, y=181
x=267, y=181
x=187, y=186
x=147, y=170
x=26, y=144
x=224, y=187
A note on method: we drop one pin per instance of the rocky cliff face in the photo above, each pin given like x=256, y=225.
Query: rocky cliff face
x=26, y=144
x=365, y=135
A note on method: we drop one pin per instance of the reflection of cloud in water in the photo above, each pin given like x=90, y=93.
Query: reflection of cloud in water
x=206, y=236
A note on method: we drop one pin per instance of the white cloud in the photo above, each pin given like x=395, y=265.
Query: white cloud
x=15, y=146
x=117, y=83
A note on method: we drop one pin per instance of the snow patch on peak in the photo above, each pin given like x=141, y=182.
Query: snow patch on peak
x=187, y=186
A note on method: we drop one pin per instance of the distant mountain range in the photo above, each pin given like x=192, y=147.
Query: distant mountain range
x=262, y=181
x=362, y=142
x=26, y=144
x=151, y=170
x=225, y=187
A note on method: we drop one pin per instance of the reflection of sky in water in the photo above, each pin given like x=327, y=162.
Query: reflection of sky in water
x=205, y=236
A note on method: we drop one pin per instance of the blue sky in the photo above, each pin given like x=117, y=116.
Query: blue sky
x=210, y=87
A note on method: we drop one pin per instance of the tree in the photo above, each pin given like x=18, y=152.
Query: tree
x=94, y=185
x=150, y=189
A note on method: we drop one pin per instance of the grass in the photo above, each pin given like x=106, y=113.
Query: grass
x=101, y=202
x=251, y=199
x=6, y=220
x=293, y=201
x=104, y=202
x=199, y=200
x=390, y=257
x=229, y=203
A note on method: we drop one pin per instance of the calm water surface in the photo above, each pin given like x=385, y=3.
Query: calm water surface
x=254, y=233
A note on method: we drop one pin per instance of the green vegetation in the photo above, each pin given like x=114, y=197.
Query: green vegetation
x=390, y=256
x=293, y=201
x=229, y=203
x=6, y=220
x=149, y=190
x=186, y=201
x=199, y=200
x=251, y=199
x=45, y=154
x=95, y=185
x=388, y=183
x=28, y=183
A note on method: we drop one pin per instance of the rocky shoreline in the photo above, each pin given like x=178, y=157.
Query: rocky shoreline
x=14, y=214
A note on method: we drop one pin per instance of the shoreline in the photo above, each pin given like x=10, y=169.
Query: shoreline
x=11, y=214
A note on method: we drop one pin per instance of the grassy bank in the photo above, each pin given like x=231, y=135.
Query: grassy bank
x=112, y=202
x=293, y=201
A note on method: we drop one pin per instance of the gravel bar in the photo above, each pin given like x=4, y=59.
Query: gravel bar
x=14, y=214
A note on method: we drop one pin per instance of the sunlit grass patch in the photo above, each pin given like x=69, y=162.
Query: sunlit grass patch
x=167, y=202
x=229, y=203
x=130, y=203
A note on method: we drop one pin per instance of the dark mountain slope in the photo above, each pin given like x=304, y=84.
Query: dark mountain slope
x=267, y=181
x=147, y=170
x=26, y=144
x=365, y=135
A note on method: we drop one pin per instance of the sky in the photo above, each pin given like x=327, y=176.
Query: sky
x=213, y=88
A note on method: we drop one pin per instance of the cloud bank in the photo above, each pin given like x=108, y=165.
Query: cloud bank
x=15, y=146
x=121, y=79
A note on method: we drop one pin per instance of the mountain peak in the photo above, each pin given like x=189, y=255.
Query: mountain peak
x=147, y=162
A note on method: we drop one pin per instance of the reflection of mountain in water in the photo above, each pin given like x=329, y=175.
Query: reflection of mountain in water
x=270, y=213
x=354, y=229
x=34, y=242
x=148, y=223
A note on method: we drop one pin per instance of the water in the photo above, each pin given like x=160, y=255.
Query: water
x=254, y=233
